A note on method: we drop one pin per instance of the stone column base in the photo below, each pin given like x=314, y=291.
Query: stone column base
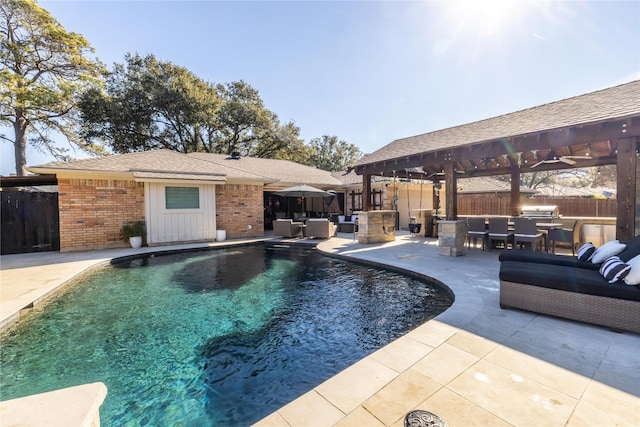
x=376, y=226
x=451, y=237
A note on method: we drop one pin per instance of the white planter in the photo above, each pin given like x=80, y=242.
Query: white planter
x=135, y=242
x=221, y=235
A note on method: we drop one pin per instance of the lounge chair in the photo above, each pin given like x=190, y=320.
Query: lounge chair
x=287, y=228
x=563, y=286
x=320, y=228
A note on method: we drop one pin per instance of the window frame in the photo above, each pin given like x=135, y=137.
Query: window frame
x=181, y=210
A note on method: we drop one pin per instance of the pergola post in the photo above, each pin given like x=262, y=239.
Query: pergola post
x=514, y=204
x=451, y=232
x=366, y=192
x=451, y=184
x=626, y=166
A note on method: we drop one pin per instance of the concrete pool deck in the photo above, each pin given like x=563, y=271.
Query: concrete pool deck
x=475, y=364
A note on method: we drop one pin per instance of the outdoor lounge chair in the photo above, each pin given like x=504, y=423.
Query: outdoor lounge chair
x=320, y=228
x=287, y=228
x=563, y=286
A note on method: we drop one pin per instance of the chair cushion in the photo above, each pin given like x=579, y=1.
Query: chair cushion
x=607, y=250
x=545, y=258
x=614, y=270
x=580, y=280
x=632, y=249
x=586, y=252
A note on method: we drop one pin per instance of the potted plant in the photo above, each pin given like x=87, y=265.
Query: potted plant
x=133, y=233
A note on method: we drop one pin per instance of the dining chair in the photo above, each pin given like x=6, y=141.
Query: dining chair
x=477, y=230
x=499, y=231
x=563, y=235
x=527, y=234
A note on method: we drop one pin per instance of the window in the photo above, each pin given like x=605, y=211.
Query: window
x=182, y=197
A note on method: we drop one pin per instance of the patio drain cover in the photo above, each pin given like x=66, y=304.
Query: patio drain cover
x=423, y=419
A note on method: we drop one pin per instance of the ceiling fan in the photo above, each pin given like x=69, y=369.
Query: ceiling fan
x=553, y=157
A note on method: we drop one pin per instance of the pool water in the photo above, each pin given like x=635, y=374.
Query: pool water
x=220, y=337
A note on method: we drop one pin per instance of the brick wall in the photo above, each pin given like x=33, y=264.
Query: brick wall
x=239, y=210
x=93, y=210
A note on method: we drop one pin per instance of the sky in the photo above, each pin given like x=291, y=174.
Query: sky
x=373, y=72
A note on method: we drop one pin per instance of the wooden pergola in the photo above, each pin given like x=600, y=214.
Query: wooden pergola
x=596, y=129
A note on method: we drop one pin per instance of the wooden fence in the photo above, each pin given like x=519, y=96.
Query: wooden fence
x=30, y=222
x=473, y=205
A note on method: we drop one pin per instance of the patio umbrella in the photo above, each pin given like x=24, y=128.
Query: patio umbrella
x=303, y=191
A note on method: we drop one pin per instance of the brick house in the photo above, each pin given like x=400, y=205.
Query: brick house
x=180, y=197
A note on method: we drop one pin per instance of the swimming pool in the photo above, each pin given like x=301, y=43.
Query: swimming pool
x=220, y=337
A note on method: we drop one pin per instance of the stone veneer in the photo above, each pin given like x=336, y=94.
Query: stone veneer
x=451, y=237
x=240, y=210
x=92, y=211
x=376, y=226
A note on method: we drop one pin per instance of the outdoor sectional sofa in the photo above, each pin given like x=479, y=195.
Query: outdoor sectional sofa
x=563, y=286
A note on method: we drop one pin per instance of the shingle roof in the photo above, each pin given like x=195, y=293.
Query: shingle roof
x=167, y=164
x=615, y=102
x=157, y=164
x=287, y=173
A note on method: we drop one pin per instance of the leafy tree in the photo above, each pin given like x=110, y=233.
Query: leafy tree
x=603, y=176
x=285, y=144
x=151, y=104
x=331, y=154
x=43, y=69
x=537, y=179
x=244, y=125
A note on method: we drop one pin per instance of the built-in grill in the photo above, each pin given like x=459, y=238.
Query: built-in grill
x=540, y=212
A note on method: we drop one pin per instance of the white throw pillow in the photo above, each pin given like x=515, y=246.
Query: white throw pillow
x=607, y=250
x=633, y=278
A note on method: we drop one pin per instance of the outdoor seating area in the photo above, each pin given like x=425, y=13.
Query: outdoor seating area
x=576, y=288
x=536, y=233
